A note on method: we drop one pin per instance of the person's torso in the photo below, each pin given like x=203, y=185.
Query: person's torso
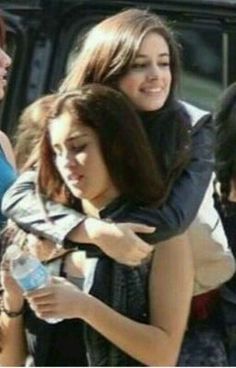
x=60, y=344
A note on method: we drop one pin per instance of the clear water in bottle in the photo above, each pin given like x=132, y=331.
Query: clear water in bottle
x=28, y=271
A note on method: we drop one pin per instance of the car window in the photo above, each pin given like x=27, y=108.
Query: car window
x=202, y=78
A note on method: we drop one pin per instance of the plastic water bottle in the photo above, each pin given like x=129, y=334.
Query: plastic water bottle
x=28, y=271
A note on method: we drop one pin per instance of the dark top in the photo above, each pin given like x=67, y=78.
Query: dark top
x=71, y=342
x=54, y=345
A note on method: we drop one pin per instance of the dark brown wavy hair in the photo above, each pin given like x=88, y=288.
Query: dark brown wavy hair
x=123, y=143
x=29, y=131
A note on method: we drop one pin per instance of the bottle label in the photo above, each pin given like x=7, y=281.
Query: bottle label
x=35, y=279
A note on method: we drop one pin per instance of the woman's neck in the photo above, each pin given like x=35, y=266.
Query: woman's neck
x=94, y=206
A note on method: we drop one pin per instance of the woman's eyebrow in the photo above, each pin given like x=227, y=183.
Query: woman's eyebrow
x=146, y=56
x=76, y=136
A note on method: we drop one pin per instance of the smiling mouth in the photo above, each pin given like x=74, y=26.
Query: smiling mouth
x=152, y=91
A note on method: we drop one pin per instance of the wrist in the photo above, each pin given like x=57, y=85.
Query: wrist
x=94, y=231
x=87, y=307
x=11, y=309
x=11, y=303
x=83, y=233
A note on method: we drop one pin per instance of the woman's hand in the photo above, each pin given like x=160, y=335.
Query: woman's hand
x=61, y=299
x=13, y=296
x=118, y=240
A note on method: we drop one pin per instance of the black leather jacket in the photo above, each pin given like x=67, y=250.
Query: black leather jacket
x=22, y=205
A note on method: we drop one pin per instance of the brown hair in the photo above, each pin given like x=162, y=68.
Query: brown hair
x=29, y=131
x=225, y=145
x=123, y=142
x=111, y=46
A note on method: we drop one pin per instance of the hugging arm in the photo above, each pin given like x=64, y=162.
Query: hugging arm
x=187, y=193
x=22, y=204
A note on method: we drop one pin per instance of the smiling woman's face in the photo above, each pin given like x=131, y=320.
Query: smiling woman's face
x=148, y=81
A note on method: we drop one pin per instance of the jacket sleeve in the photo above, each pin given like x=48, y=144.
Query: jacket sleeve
x=22, y=205
x=186, y=196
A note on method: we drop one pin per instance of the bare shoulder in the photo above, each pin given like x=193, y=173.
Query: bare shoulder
x=7, y=148
x=3, y=137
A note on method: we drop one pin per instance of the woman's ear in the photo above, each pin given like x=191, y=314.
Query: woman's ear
x=232, y=194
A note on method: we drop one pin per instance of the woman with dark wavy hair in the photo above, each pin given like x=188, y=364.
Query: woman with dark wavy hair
x=95, y=157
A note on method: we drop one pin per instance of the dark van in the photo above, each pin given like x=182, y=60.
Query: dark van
x=43, y=36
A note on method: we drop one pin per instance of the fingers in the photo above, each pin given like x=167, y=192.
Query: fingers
x=142, y=246
x=57, y=280
x=141, y=228
x=5, y=265
x=38, y=293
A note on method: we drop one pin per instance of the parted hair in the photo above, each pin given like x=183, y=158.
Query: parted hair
x=112, y=45
x=225, y=147
x=123, y=143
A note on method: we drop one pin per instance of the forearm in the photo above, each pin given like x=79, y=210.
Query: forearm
x=170, y=288
x=13, y=342
x=14, y=351
x=144, y=343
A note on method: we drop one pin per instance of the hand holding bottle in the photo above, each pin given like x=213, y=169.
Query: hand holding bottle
x=61, y=299
x=28, y=271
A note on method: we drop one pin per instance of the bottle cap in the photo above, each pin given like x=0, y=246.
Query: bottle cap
x=13, y=251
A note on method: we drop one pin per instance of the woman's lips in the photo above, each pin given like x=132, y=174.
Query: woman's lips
x=75, y=178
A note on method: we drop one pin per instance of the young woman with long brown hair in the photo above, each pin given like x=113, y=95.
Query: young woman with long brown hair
x=95, y=157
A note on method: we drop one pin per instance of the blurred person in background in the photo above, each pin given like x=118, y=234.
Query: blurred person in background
x=225, y=200
x=7, y=161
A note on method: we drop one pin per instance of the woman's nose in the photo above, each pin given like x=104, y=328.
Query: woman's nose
x=69, y=160
x=153, y=72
